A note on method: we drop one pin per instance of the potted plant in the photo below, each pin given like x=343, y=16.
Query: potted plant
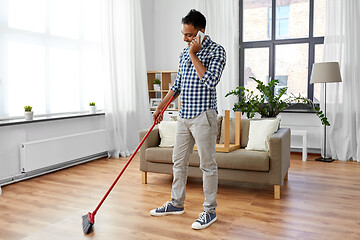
x=92, y=108
x=29, y=114
x=156, y=84
x=269, y=103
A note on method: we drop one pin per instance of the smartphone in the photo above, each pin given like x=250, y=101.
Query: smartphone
x=201, y=34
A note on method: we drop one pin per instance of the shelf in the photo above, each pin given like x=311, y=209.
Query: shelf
x=167, y=78
x=165, y=91
x=166, y=71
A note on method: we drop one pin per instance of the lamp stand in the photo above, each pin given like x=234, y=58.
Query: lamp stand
x=325, y=159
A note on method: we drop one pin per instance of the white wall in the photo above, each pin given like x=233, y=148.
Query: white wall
x=147, y=9
x=164, y=42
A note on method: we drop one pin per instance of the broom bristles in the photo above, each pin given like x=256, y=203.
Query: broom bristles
x=87, y=223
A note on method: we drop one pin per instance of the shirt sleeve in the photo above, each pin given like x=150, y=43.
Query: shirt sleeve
x=213, y=73
x=177, y=82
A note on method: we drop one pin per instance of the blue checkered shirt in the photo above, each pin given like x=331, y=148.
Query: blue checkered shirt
x=198, y=95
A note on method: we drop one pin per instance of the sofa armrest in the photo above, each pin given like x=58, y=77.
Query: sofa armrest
x=279, y=152
x=152, y=140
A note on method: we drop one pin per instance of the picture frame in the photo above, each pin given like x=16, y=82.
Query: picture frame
x=154, y=102
x=172, y=106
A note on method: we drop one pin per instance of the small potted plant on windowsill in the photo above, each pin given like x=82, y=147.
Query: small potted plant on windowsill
x=157, y=84
x=29, y=114
x=269, y=103
x=92, y=108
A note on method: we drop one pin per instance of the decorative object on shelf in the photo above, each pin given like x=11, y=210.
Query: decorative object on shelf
x=29, y=114
x=157, y=84
x=325, y=72
x=154, y=102
x=172, y=106
x=164, y=78
x=92, y=108
x=269, y=103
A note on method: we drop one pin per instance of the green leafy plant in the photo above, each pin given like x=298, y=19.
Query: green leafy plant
x=269, y=103
x=92, y=104
x=28, y=108
x=156, y=81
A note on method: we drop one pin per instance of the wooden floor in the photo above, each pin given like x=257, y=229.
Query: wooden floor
x=319, y=201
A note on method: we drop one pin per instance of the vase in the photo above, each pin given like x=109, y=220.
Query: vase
x=29, y=115
x=92, y=109
x=157, y=87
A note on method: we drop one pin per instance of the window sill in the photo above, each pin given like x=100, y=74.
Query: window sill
x=45, y=118
x=299, y=108
x=297, y=111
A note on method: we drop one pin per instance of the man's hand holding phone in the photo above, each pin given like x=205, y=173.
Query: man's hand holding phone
x=200, y=37
x=195, y=45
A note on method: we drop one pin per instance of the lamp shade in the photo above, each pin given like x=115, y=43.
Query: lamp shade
x=325, y=72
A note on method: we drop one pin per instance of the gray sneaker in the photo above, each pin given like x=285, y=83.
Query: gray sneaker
x=205, y=219
x=166, y=209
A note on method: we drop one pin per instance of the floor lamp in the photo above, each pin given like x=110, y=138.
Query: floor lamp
x=325, y=72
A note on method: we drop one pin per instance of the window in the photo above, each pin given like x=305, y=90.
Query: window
x=289, y=47
x=254, y=56
x=50, y=56
x=282, y=22
x=283, y=82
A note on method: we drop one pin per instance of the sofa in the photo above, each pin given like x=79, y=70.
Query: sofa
x=262, y=167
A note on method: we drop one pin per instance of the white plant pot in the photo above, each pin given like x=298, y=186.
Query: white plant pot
x=157, y=87
x=29, y=115
x=92, y=109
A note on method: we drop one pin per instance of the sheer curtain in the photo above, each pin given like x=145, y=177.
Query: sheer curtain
x=342, y=38
x=48, y=61
x=222, y=25
x=126, y=95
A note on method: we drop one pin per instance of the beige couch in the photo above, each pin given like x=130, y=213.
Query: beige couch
x=239, y=165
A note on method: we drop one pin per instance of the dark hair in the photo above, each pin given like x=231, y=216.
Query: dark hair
x=195, y=18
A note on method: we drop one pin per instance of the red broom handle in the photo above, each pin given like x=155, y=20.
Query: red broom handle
x=132, y=156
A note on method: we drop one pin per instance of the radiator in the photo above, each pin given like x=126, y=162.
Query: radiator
x=48, y=152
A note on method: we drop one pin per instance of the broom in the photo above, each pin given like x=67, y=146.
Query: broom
x=88, y=220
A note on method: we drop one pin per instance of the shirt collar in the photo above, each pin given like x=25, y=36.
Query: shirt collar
x=206, y=41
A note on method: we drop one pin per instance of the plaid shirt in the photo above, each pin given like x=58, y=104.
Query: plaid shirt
x=198, y=95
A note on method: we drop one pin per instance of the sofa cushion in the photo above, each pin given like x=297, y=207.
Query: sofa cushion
x=260, y=132
x=159, y=155
x=167, y=131
x=240, y=159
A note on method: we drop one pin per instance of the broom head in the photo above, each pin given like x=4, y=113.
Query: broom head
x=87, y=222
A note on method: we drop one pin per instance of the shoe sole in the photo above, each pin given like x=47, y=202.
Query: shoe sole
x=165, y=213
x=205, y=225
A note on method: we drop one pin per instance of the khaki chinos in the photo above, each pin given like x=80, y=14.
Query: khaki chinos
x=201, y=130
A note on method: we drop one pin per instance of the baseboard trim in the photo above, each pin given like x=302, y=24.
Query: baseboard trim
x=54, y=168
x=309, y=150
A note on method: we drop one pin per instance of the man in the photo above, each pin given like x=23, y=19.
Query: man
x=200, y=68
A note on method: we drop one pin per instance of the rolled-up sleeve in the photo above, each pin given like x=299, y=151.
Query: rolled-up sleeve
x=177, y=82
x=217, y=63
